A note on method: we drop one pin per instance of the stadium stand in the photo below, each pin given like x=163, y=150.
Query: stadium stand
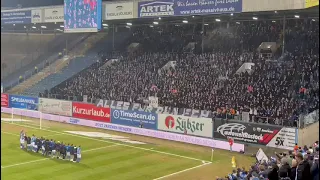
x=34, y=50
x=281, y=87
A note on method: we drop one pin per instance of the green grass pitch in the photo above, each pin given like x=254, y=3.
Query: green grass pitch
x=107, y=159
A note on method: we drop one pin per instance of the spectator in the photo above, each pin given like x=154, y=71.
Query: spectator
x=293, y=170
x=303, y=168
x=284, y=170
x=273, y=174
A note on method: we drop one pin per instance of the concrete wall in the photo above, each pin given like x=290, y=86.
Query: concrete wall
x=309, y=134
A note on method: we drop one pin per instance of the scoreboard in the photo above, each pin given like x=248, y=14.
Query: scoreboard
x=82, y=15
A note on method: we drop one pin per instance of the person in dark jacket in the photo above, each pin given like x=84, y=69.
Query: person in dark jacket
x=315, y=169
x=303, y=168
x=293, y=170
x=284, y=170
x=273, y=174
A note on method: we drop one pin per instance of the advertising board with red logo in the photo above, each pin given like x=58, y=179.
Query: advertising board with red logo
x=254, y=133
x=185, y=125
x=90, y=112
x=4, y=100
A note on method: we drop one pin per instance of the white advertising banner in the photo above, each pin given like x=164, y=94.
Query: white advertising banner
x=286, y=138
x=186, y=125
x=118, y=11
x=55, y=106
x=53, y=15
x=36, y=16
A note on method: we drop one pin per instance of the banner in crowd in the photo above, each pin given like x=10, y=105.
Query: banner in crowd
x=16, y=17
x=134, y=118
x=262, y=134
x=185, y=125
x=187, y=7
x=4, y=100
x=36, y=16
x=159, y=110
x=123, y=10
x=91, y=112
x=311, y=3
x=261, y=156
x=23, y=102
x=53, y=15
x=153, y=101
x=55, y=106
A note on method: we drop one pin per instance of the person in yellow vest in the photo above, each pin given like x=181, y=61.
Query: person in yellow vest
x=20, y=78
x=233, y=162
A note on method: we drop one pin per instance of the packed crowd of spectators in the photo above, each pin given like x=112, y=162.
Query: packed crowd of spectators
x=299, y=164
x=279, y=89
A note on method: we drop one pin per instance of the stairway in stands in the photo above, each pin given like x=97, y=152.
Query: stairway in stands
x=56, y=66
x=76, y=62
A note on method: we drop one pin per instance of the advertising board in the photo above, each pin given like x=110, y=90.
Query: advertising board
x=16, y=17
x=53, y=15
x=122, y=10
x=90, y=111
x=208, y=142
x=185, y=125
x=55, y=106
x=134, y=118
x=4, y=100
x=36, y=16
x=261, y=134
x=23, y=102
x=187, y=7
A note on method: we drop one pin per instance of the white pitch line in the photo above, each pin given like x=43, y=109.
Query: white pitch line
x=201, y=165
x=110, y=142
x=13, y=134
x=29, y=162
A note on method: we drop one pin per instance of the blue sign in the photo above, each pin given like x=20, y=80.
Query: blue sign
x=134, y=118
x=188, y=7
x=16, y=17
x=23, y=102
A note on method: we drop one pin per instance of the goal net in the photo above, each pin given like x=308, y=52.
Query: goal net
x=25, y=117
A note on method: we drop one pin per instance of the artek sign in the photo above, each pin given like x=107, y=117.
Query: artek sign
x=90, y=112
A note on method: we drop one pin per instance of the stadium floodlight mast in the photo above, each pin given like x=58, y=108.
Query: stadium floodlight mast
x=25, y=117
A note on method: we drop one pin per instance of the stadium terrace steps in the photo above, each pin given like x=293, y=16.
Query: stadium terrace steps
x=56, y=46
x=53, y=68
x=75, y=66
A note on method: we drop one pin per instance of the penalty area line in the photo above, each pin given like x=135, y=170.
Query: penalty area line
x=182, y=171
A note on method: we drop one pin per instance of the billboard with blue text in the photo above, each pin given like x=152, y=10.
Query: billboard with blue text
x=187, y=7
x=16, y=17
x=134, y=118
x=23, y=102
